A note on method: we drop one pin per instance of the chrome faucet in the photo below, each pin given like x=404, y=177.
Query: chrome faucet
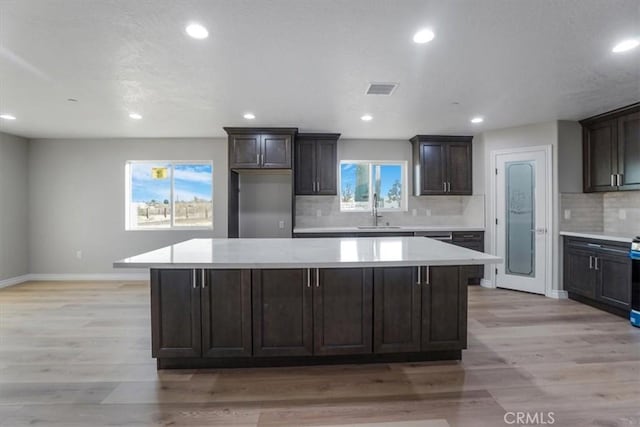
x=374, y=210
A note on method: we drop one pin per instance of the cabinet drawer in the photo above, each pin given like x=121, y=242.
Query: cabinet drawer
x=460, y=236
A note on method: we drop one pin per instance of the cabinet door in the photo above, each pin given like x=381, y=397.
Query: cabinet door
x=396, y=313
x=226, y=313
x=305, y=173
x=614, y=279
x=244, y=152
x=276, y=151
x=444, y=309
x=432, y=165
x=459, y=168
x=326, y=166
x=282, y=316
x=342, y=309
x=579, y=276
x=600, y=156
x=175, y=314
x=629, y=151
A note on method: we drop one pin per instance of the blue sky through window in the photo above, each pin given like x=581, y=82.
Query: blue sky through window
x=189, y=181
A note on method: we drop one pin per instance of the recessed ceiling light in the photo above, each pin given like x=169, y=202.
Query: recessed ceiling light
x=477, y=120
x=249, y=116
x=197, y=31
x=423, y=36
x=626, y=45
x=7, y=117
x=366, y=118
x=135, y=116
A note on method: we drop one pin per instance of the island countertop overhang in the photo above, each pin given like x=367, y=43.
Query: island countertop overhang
x=307, y=253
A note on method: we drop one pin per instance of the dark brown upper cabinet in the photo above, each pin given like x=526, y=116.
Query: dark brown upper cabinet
x=260, y=148
x=316, y=165
x=442, y=165
x=611, y=150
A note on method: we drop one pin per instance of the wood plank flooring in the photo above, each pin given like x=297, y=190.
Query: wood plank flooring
x=78, y=354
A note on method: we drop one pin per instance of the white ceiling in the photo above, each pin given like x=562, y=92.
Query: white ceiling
x=307, y=63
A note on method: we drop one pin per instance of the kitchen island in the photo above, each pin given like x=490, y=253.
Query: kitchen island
x=264, y=302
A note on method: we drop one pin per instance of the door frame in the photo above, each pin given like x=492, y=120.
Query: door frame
x=492, y=210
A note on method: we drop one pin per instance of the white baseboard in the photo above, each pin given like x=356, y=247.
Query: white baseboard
x=100, y=277
x=486, y=283
x=14, y=280
x=558, y=294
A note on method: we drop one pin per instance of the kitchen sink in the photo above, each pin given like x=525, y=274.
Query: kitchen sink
x=378, y=227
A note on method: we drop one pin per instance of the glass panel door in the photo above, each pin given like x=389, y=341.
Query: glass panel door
x=520, y=218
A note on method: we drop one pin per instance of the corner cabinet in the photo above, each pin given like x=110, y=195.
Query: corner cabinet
x=260, y=148
x=442, y=165
x=316, y=164
x=611, y=150
x=598, y=273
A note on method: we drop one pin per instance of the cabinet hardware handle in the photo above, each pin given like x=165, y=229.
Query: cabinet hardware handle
x=308, y=277
x=594, y=245
x=590, y=262
x=317, y=186
x=444, y=187
x=428, y=281
x=596, y=266
x=419, y=274
x=258, y=158
x=619, y=179
x=204, y=279
x=448, y=187
x=317, y=277
x=195, y=284
x=613, y=181
x=262, y=159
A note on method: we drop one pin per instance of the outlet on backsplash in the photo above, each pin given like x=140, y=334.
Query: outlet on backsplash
x=622, y=214
x=567, y=214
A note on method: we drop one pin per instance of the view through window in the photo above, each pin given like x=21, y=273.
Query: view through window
x=360, y=180
x=165, y=195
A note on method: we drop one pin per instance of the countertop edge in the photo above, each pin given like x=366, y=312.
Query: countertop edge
x=401, y=229
x=594, y=235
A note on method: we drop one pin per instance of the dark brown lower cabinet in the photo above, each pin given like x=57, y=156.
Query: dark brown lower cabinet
x=282, y=313
x=342, y=307
x=226, y=313
x=444, y=308
x=614, y=278
x=598, y=273
x=175, y=313
x=213, y=318
x=396, y=310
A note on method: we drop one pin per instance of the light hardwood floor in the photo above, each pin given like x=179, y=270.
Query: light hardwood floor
x=78, y=354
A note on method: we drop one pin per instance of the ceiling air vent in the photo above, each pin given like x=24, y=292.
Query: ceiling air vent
x=381, y=88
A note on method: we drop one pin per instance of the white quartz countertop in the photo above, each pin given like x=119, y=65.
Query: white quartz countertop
x=307, y=253
x=384, y=229
x=601, y=235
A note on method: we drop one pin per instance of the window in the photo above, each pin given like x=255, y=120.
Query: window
x=169, y=195
x=360, y=180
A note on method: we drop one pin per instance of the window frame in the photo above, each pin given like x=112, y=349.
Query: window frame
x=404, y=201
x=172, y=163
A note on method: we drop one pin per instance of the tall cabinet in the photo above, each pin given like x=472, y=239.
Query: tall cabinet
x=611, y=150
x=316, y=161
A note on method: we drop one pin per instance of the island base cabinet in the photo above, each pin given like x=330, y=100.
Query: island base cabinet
x=175, y=313
x=397, y=308
x=444, y=307
x=282, y=313
x=226, y=313
x=343, y=306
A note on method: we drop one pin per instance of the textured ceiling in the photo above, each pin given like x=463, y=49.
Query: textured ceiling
x=307, y=63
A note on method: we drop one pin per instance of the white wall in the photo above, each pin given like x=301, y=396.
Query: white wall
x=77, y=200
x=14, y=206
x=564, y=137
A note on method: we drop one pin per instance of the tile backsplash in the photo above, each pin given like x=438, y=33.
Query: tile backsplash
x=324, y=211
x=616, y=212
x=585, y=210
x=622, y=212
